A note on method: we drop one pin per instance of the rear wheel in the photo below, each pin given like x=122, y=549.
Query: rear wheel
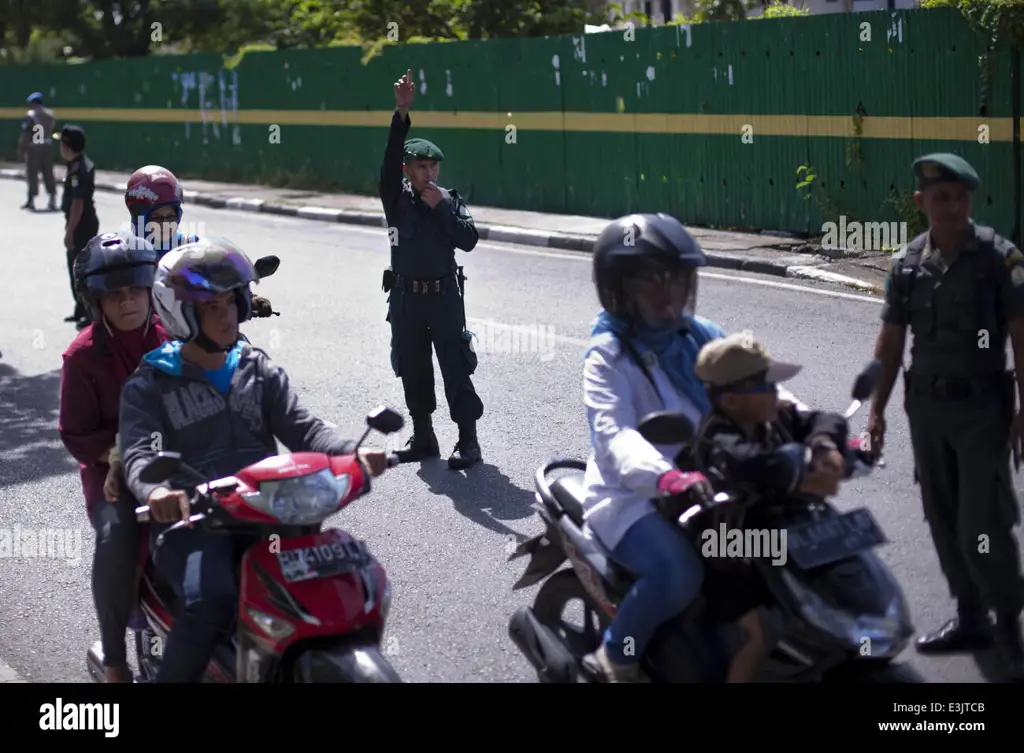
x=564, y=607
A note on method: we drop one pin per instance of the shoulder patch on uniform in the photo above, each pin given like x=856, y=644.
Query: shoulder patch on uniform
x=1011, y=254
x=1017, y=275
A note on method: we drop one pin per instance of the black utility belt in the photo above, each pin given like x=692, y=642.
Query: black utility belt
x=957, y=388
x=423, y=287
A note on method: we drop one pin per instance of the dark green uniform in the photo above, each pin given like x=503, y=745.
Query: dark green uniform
x=79, y=183
x=426, y=305
x=959, y=399
x=39, y=121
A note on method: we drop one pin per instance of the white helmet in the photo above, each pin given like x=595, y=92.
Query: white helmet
x=199, y=272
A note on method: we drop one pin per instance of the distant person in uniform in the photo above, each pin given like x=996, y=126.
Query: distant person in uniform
x=959, y=288
x=78, y=206
x=35, y=148
x=426, y=305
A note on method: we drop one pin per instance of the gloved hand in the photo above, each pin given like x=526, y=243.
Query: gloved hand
x=694, y=485
x=261, y=306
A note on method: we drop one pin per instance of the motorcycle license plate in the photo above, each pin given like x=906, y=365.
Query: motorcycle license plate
x=822, y=542
x=323, y=560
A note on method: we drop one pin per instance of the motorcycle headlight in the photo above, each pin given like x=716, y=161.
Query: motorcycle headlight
x=870, y=635
x=301, y=501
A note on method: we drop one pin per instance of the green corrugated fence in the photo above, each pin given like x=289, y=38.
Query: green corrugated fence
x=709, y=122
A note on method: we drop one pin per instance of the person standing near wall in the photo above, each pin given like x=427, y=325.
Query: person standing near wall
x=36, y=150
x=79, y=209
x=959, y=288
x=426, y=305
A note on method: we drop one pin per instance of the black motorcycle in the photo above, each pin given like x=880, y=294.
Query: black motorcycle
x=838, y=613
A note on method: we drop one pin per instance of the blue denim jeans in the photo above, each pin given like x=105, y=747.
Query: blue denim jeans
x=200, y=567
x=669, y=574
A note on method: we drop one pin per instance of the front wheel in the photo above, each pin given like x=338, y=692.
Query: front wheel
x=343, y=664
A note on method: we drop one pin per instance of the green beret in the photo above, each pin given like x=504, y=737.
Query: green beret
x=422, y=149
x=941, y=168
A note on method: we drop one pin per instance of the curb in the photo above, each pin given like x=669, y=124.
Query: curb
x=495, y=233
x=813, y=273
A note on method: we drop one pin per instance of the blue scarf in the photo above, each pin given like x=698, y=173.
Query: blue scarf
x=676, y=350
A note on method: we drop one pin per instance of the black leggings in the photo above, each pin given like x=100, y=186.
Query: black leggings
x=113, y=573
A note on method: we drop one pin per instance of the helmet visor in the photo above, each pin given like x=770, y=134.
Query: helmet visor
x=663, y=293
x=206, y=270
x=108, y=280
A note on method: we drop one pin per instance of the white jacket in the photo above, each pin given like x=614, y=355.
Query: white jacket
x=624, y=468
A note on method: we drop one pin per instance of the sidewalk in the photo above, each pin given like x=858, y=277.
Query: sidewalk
x=760, y=253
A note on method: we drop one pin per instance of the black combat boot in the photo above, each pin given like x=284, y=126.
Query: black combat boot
x=422, y=444
x=1011, y=645
x=970, y=630
x=467, y=448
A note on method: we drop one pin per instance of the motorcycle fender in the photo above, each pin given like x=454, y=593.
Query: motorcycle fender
x=546, y=556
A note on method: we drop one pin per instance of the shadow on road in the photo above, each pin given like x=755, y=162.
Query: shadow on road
x=30, y=448
x=483, y=494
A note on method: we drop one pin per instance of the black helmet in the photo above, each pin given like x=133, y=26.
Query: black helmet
x=640, y=246
x=111, y=261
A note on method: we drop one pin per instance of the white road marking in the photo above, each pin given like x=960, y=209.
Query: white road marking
x=9, y=675
x=585, y=258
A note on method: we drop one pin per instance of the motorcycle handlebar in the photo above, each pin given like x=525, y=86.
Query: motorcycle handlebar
x=142, y=512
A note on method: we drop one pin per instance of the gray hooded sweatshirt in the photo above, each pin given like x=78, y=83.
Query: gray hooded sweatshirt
x=169, y=404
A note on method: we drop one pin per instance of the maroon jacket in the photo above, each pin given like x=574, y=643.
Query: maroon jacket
x=96, y=366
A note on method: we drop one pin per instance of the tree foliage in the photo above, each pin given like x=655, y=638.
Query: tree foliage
x=101, y=29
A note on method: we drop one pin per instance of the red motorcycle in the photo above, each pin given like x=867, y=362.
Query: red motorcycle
x=312, y=602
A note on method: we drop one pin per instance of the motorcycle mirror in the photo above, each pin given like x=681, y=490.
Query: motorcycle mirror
x=266, y=266
x=384, y=420
x=867, y=380
x=162, y=467
x=664, y=427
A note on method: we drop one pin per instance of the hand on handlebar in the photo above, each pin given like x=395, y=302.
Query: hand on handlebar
x=377, y=461
x=694, y=485
x=169, y=505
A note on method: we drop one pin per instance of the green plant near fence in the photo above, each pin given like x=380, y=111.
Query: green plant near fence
x=709, y=122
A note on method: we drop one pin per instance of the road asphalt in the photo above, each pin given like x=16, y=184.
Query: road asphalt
x=763, y=253
x=443, y=537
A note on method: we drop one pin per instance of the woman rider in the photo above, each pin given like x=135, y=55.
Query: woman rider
x=113, y=278
x=641, y=359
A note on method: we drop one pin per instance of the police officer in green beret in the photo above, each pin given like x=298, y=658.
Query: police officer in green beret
x=959, y=288
x=426, y=303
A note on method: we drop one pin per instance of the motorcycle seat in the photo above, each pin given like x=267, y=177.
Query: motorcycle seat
x=569, y=492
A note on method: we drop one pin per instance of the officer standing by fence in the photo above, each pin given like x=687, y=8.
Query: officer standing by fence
x=959, y=287
x=35, y=148
x=426, y=303
x=81, y=222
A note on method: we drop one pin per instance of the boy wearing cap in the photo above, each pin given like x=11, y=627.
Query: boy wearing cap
x=755, y=439
x=959, y=288
x=35, y=147
x=81, y=222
